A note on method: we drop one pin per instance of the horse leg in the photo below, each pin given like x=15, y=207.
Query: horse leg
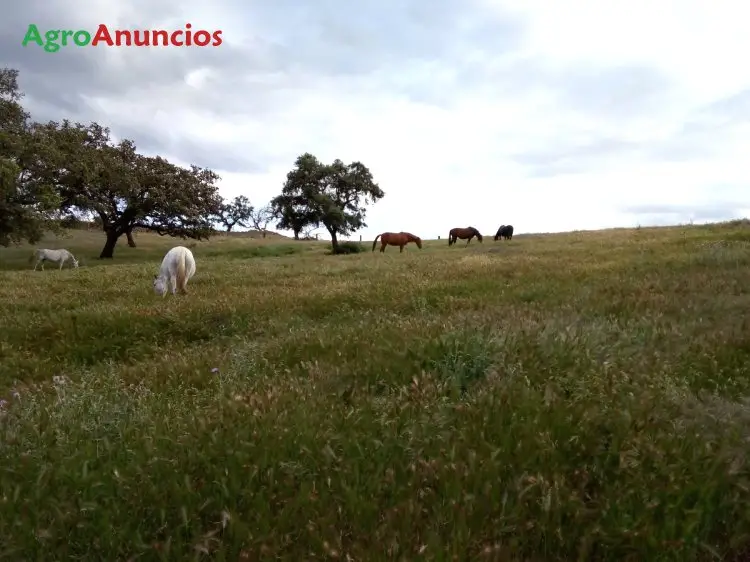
x=401, y=249
x=173, y=284
x=382, y=247
x=62, y=262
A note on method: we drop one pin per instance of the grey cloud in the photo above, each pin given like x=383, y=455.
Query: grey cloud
x=728, y=110
x=623, y=91
x=689, y=144
x=569, y=158
x=361, y=45
x=701, y=135
x=204, y=153
x=630, y=91
x=338, y=37
x=295, y=44
x=57, y=84
x=669, y=213
x=613, y=93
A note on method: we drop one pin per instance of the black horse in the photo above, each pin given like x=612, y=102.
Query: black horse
x=505, y=231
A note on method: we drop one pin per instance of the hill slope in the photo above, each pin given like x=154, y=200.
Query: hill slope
x=555, y=397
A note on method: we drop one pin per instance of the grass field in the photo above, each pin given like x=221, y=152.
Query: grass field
x=573, y=396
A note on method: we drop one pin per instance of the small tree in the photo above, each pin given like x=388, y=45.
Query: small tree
x=333, y=195
x=260, y=218
x=346, y=190
x=235, y=213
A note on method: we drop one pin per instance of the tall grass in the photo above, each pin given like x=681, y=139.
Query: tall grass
x=579, y=396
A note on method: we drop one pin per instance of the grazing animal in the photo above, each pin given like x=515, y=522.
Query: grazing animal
x=505, y=231
x=56, y=256
x=464, y=234
x=177, y=267
x=399, y=239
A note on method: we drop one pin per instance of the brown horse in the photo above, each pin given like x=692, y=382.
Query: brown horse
x=463, y=233
x=399, y=239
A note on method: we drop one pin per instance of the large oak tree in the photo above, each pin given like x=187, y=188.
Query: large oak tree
x=127, y=190
x=52, y=172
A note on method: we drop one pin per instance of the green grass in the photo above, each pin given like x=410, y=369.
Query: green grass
x=576, y=396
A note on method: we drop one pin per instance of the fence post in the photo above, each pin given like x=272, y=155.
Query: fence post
x=360, y=238
x=438, y=237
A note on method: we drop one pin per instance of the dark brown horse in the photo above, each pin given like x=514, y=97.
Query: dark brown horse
x=505, y=231
x=463, y=233
x=399, y=239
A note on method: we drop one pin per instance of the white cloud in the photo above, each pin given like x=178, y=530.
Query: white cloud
x=442, y=168
x=598, y=110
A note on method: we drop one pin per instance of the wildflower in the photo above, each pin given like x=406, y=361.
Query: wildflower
x=215, y=370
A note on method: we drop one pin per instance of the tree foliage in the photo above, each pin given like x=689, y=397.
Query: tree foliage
x=235, y=213
x=127, y=190
x=53, y=172
x=333, y=195
x=293, y=213
x=29, y=203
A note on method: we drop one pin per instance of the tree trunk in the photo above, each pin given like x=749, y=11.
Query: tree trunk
x=334, y=241
x=129, y=233
x=108, y=251
x=264, y=233
x=296, y=234
x=230, y=227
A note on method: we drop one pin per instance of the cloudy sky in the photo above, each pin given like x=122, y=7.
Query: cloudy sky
x=543, y=114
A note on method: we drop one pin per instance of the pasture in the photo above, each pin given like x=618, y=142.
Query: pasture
x=576, y=396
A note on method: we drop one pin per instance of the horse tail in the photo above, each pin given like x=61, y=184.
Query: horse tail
x=375, y=242
x=181, y=271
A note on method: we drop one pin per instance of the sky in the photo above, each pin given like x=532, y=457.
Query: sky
x=550, y=116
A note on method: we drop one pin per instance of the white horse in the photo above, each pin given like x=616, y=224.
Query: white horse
x=56, y=256
x=177, y=267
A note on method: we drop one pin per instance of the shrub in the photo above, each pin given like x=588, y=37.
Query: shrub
x=348, y=248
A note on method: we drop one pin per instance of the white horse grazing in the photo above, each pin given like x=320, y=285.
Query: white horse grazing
x=177, y=267
x=57, y=256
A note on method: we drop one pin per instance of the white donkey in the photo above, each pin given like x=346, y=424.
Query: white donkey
x=177, y=267
x=56, y=256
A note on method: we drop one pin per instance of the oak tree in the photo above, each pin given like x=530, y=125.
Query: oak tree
x=293, y=213
x=235, y=213
x=334, y=195
x=127, y=190
x=29, y=204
